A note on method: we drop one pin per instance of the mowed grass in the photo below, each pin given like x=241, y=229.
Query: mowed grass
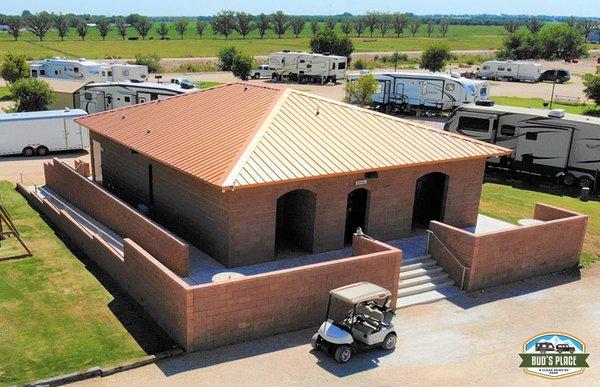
x=4, y=93
x=511, y=204
x=54, y=314
x=539, y=103
x=93, y=47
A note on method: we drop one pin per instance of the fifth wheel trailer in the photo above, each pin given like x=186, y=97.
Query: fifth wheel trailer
x=307, y=67
x=545, y=142
x=38, y=133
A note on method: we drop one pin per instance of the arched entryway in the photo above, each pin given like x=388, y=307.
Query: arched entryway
x=356, y=212
x=295, y=222
x=430, y=199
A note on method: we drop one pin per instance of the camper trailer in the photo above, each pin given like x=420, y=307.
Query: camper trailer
x=403, y=91
x=32, y=133
x=87, y=70
x=544, y=142
x=98, y=97
x=307, y=67
x=523, y=71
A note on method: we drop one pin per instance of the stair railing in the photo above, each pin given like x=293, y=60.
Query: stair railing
x=464, y=268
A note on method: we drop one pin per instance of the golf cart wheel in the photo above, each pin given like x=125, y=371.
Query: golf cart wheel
x=343, y=353
x=569, y=179
x=585, y=181
x=28, y=151
x=389, y=342
x=42, y=151
x=314, y=342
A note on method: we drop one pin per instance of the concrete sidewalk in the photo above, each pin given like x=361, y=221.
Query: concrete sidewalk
x=472, y=340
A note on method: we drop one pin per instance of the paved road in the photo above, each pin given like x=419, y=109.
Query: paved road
x=32, y=168
x=473, y=340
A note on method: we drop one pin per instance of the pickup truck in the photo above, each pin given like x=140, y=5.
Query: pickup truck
x=263, y=71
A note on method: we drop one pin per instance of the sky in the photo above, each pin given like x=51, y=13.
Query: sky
x=588, y=8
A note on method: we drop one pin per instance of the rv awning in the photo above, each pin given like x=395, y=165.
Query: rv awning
x=64, y=85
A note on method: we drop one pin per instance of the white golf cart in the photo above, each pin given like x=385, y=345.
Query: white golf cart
x=367, y=325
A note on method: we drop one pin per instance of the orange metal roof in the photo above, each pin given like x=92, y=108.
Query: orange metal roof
x=243, y=135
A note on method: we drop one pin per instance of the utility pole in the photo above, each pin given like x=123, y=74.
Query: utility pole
x=553, y=86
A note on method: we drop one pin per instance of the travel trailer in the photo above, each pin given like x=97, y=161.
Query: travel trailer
x=37, y=133
x=545, y=142
x=307, y=67
x=403, y=91
x=98, y=97
x=87, y=70
x=523, y=71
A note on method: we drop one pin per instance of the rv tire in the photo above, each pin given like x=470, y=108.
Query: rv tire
x=28, y=151
x=42, y=151
x=569, y=179
x=585, y=182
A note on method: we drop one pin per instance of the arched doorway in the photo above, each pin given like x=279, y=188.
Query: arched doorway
x=430, y=199
x=295, y=222
x=356, y=212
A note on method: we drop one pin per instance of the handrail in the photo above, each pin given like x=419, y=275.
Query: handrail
x=23, y=176
x=464, y=268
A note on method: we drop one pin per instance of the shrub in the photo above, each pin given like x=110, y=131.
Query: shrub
x=435, y=57
x=150, y=60
x=592, y=86
x=242, y=65
x=14, y=67
x=191, y=67
x=359, y=64
x=361, y=91
x=31, y=94
x=226, y=56
x=328, y=41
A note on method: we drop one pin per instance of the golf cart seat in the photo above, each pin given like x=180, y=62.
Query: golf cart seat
x=375, y=312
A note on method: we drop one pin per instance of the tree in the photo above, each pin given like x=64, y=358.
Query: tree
x=444, y=24
x=121, y=26
x=586, y=26
x=430, y=27
x=371, y=20
x=39, y=24
x=226, y=56
x=200, y=26
x=328, y=41
x=435, y=57
x=133, y=19
x=243, y=23
x=31, y=94
x=103, y=25
x=534, y=25
x=242, y=66
x=163, y=30
x=143, y=26
x=224, y=23
x=384, y=23
x=361, y=91
x=14, y=67
x=359, y=25
x=280, y=23
x=298, y=24
x=399, y=22
x=314, y=27
x=14, y=26
x=347, y=27
x=592, y=86
x=571, y=21
x=415, y=24
x=181, y=26
x=512, y=26
x=330, y=23
x=559, y=41
x=61, y=23
x=262, y=24
x=82, y=29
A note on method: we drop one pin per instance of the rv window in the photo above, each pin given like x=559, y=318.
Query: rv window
x=127, y=99
x=110, y=73
x=500, y=68
x=87, y=96
x=42, y=72
x=308, y=66
x=104, y=73
x=508, y=69
x=153, y=96
x=531, y=136
x=486, y=67
x=302, y=61
x=450, y=87
x=474, y=124
x=55, y=72
x=34, y=73
x=76, y=69
x=507, y=130
x=483, y=90
x=341, y=65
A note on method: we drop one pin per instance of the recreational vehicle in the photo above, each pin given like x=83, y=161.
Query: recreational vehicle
x=32, y=133
x=545, y=142
x=307, y=67
x=87, y=70
x=98, y=97
x=523, y=71
x=403, y=91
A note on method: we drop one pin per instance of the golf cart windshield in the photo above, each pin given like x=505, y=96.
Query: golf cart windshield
x=360, y=292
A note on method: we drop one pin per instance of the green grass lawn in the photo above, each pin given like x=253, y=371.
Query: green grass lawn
x=54, y=314
x=206, y=84
x=4, y=93
x=458, y=38
x=511, y=204
x=539, y=103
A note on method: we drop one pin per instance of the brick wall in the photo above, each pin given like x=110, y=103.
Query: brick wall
x=510, y=255
x=118, y=216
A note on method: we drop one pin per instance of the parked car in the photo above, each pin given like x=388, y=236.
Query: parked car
x=558, y=75
x=560, y=348
x=263, y=71
x=184, y=83
x=544, y=347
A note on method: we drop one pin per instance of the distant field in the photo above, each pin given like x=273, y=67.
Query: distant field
x=539, y=103
x=458, y=38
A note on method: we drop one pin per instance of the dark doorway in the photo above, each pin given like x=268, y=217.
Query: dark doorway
x=430, y=197
x=356, y=212
x=295, y=222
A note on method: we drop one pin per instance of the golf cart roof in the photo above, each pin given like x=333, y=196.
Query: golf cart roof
x=360, y=292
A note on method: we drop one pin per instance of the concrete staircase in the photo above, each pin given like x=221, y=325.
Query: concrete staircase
x=423, y=281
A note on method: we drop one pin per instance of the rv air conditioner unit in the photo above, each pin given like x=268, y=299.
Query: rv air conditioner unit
x=557, y=113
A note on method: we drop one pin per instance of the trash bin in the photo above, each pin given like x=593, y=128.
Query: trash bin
x=585, y=194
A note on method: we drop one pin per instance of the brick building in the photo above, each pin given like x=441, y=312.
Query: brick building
x=249, y=173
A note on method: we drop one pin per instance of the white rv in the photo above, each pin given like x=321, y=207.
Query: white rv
x=404, y=91
x=524, y=71
x=87, y=70
x=98, y=97
x=307, y=67
x=38, y=133
x=545, y=142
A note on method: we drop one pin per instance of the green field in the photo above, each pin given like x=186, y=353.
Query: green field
x=539, y=103
x=458, y=38
x=55, y=316
x=511, y=204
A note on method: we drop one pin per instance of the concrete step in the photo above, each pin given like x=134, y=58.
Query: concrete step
x=428, y=297
x=409, y=261
x=417, y=272
x=417, y=265
x=437, y=276
x=425, y=287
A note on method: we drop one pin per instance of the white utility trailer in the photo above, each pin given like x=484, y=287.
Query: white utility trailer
x=32, y=133
x=307, y=67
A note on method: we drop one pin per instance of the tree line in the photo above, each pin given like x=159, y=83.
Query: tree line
x=535, y=24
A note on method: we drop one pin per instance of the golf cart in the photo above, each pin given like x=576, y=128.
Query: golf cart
x=367, y=325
